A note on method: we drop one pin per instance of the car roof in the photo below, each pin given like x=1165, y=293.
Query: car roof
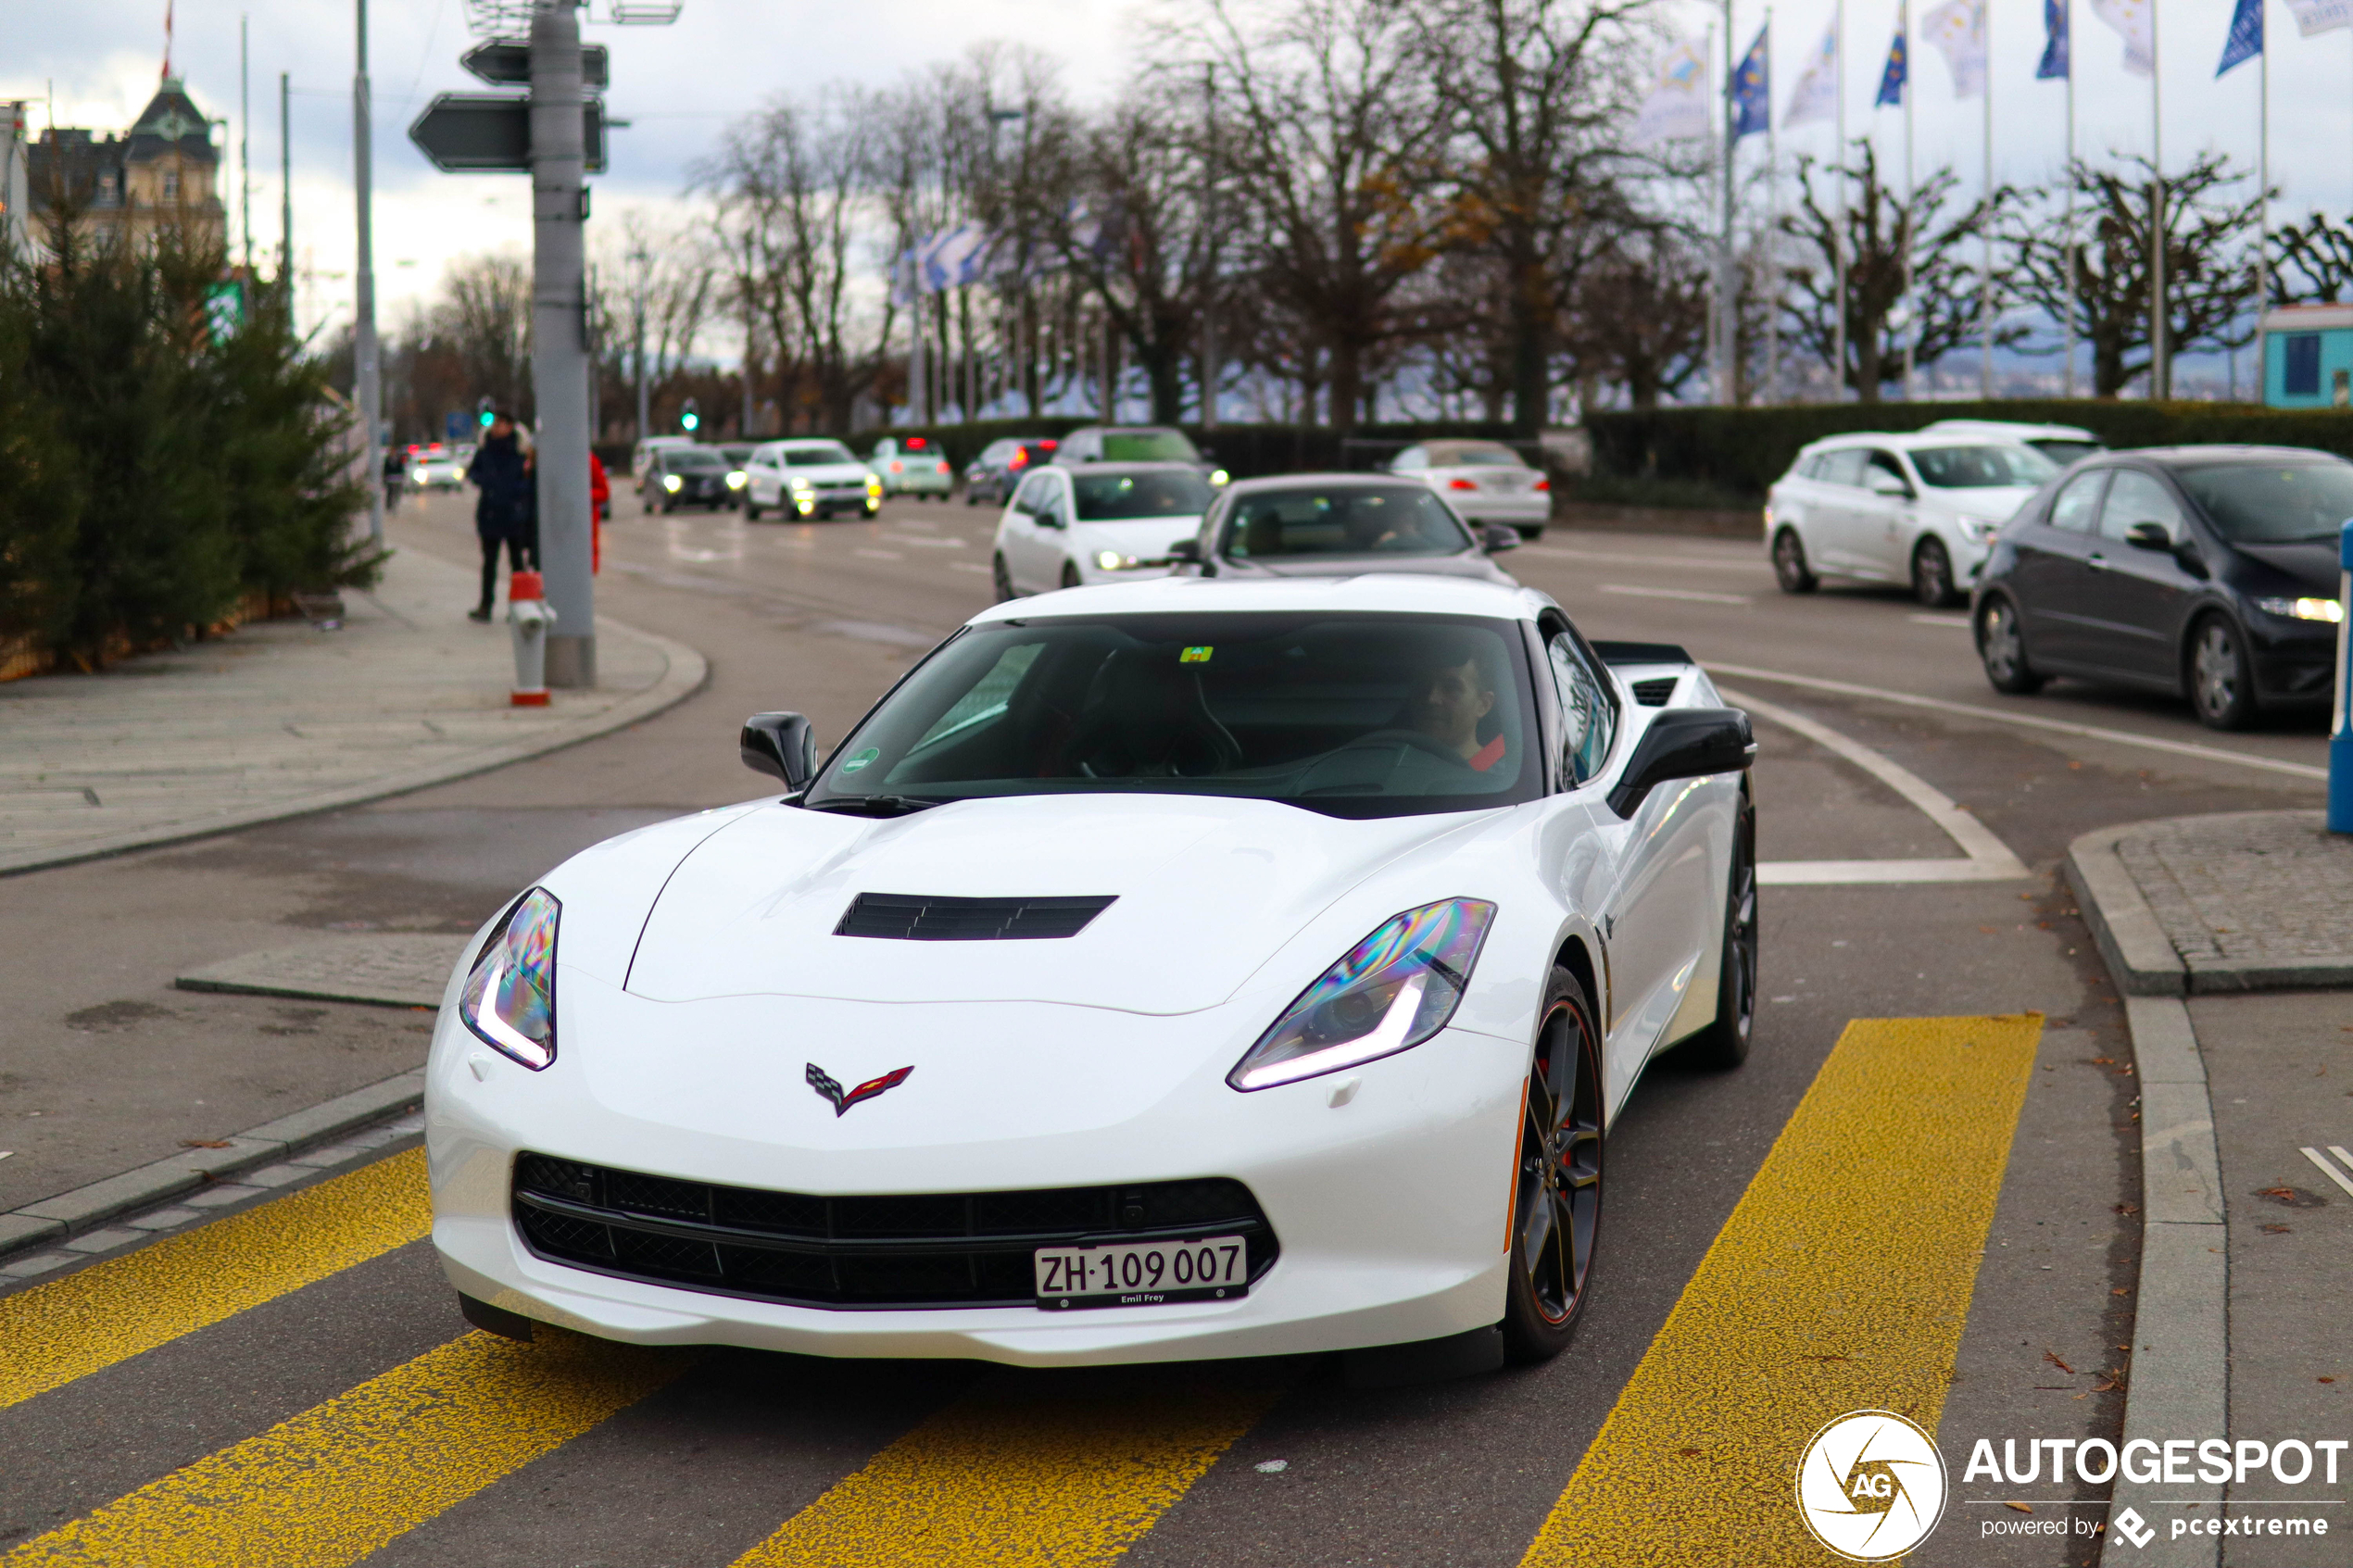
x=2219, y=452
x=1132, y=465
x=1290, y=480
x=2022, y=430
x=1908, y=440
x=1465, y=444
x=1385, y=593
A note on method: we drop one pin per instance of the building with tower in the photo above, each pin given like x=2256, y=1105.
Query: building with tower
x=162, y=173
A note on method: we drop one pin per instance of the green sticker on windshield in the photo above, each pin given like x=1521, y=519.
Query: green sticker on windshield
x=1195, y=656
x=860, y=760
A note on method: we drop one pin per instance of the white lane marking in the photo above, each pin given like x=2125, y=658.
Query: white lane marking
x=1612, y=557
x=967, y=565
x=1960, y=620
x=2329, y=1171
x=1696, y=595
x=924, y=540
x=2028, y=721
x=1989, y=859
x=879, y=554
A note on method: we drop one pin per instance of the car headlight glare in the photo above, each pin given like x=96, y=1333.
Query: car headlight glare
x=1394, y=990
x=670, y=482
x=799, y=482
x=510, y=995
x=2330, y=610
x=418, y=475
x=1112, y=560
x=1219, y=476
x=735, y=480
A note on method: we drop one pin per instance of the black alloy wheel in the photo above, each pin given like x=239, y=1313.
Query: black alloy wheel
x=2001, y=647
x=1004, y=579
x=1790, y=570
x=2221, y=681
x=1724, y=1044
x=1556, y=1211
x=1933, y=575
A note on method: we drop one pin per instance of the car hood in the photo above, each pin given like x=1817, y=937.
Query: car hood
x=2312, y=563
x=1139, y=533
x=1995, y=503
x=1205, y=889
x=1473, y=565
x=829, y=473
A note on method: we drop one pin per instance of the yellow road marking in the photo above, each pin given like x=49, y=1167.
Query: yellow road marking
x=337, y=1482
x=1841, y=1282
x=1035, y=1470
x=110, y=1311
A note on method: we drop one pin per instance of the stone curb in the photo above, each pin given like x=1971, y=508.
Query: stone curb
x=87, y=1208
x=686, y=673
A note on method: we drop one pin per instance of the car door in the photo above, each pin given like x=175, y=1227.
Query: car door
x=2137, y=597
x=1882, y=509
x=1026, y=555
x=2051, y=579
x=1833, y=523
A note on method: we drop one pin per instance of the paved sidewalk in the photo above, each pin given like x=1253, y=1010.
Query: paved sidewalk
x=2233, y=938
x=280, y=717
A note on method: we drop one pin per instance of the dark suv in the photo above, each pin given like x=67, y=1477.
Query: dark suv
x=2204, y=572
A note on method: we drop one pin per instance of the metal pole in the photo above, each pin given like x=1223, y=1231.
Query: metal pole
x=560, y=347
x=1727, y=302
x=2263, y=211
x=918, y=376
x=1837, y=225
x=286, y=191
x=2161, y=373
x=244, y=146
x=1911, y=306
x=2068, y=12
x=1770, y=242
x=1985, y=273
x=1209, y=373
x=367, y=370
x=641, y=260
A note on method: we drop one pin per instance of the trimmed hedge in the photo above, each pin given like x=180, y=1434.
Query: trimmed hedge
x=1743, y=451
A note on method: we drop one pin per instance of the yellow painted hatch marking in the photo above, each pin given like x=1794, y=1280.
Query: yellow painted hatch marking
x=52, y=1333
x=1032, y=1470
x=328, y=1486
x=1841, y=1283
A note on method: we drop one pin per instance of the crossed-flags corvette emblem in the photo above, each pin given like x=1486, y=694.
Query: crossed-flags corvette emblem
x=825, y=1085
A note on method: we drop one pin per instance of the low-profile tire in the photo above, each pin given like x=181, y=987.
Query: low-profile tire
x=1069, y=576
x=1933, y=575
x=1004, y=579
x=1723, y=1044
x=1556, y=1193
x=873, y=508
x=1531, y=535
x=1790, y=570
x=2219, y=675
x=2001, y=649
x=971, y=496
x=751, y=509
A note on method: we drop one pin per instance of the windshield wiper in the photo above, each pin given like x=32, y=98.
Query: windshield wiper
x=877, y=805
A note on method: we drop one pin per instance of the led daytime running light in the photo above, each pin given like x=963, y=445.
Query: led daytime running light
x=510, y=998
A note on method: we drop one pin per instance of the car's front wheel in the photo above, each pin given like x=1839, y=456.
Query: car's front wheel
x=1724, y=1044
x=1556, y=1198
x=2222, y=678
x=1790, y=570
x=1933, y=575
x=2001, y=647
x=1069, y=576
x=1004, y=579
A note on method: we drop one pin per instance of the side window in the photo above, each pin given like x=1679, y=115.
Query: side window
x=1884, y=467
x=1809, y=467
x=1841, y=468
x=1589, y=714
x=2075, y=505
x=1414, y=460
x=1031, y=496
x=2138, y=498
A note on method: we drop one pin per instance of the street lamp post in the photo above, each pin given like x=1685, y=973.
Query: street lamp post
x=366, y=371
x=560, y=341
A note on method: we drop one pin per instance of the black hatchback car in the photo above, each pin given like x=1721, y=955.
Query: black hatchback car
x=2205, y=571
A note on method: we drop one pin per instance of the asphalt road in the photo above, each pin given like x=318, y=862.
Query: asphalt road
x=338, y=1415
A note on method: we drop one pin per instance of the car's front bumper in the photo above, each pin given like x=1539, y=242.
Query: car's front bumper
x=1390, y=1208
x=918, y=483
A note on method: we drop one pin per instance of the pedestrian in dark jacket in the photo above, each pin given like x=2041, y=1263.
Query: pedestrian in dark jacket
x=503, y=509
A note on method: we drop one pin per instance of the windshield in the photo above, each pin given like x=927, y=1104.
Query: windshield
x=1351, y=716
x=1983, y=467
x=1475, y=457
x=1125, y=498
x=816, y=456
x=693, y=457
x=2273, y=503
x=2064, y=450
x=1148, y=446
x=1342, y=520
x=738, y=454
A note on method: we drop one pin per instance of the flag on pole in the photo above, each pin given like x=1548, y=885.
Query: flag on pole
x=1752, y=89
x=1898, y=73
x=2320, y=16
x=1675, y=109
x=1956, y=30
x=2054, y=66
x=1816, y=96
x=2130, y=20
x=2245, y=39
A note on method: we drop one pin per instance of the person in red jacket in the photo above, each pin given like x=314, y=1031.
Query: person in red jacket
x=599, y=508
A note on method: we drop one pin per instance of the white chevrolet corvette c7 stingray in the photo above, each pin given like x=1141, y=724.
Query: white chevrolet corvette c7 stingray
x=1171, y=970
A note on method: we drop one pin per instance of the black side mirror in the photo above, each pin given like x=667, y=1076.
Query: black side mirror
x=782, y=746
x=2148, y=536
x=1684, y=743
x=1185, y=551
x=1498, y=536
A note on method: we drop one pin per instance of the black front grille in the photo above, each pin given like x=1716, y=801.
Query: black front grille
x=1655, y=692
x=921, y=1249
x=911, y=918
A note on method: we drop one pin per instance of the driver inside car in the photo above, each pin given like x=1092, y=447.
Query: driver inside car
x=1447, y=702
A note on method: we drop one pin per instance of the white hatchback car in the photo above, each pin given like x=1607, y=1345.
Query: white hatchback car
x=1920, y=508
x=809, y=477
x=1114, y=523
x=1483, y=480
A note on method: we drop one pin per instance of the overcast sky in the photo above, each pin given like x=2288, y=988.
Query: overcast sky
x=681, y=84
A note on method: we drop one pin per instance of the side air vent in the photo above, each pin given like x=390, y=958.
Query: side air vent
x=910, y=918
x=1655, y=692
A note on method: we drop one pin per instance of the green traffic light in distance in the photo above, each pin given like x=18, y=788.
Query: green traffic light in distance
x=690, y=421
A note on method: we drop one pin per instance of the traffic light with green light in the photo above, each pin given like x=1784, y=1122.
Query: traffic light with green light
x=485, y=412
x=690, y=416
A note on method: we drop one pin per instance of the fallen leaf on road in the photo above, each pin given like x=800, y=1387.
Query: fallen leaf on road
x=204, y=1143
x=2102, y=1061
x=2272, y=1230
x=2019, y=1506
x=1989, y=931
x=2128, y=1207
x=2121, y=1290
x=2328, y=1380
x=1694, y=1453
x=2054, y=1359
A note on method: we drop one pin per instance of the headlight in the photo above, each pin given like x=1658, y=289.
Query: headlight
x=670, y=482
x=510, y=998
x=1395, y=989
x=418, y=475
x=736, y=480
x=2330, y=610
x=1112, y=560
x=874, y=482
x=1976, y=530
x=799, y=482
x=1218, y=476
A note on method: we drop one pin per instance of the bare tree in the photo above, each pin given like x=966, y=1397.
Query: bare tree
x=1640, y=315
x=2320, y=253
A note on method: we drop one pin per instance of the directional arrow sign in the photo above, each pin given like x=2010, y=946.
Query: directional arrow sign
x=506, y=62
x=490, y=134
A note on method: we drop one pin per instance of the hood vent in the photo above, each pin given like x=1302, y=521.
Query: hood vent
x=1656, y=690
x=911, y=918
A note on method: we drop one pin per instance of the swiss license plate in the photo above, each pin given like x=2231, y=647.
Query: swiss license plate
x=1150, y=1273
